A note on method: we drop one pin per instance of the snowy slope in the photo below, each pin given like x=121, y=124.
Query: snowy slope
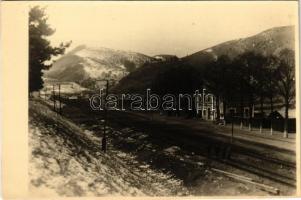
x=63, y=166
x=87, y=62
x=268, y=42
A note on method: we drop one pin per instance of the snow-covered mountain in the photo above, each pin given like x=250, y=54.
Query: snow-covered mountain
x=86, y=63
x=268, y=42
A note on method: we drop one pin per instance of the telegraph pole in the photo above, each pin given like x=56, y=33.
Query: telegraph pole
x=203, y=103
x=104, y=138
x=232, y=130
x=60, y=105
x=53, y=91
x=45, y=93
x=59, y=94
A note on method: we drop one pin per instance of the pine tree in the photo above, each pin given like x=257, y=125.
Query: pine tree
x=40, y=49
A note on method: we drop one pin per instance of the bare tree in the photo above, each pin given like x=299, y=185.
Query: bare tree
x=286, y=82
x=271, y=86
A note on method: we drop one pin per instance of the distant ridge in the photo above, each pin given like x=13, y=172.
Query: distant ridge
x=268, y=42
x=271, y=41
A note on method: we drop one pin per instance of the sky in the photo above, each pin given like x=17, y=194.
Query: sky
x=152, y=28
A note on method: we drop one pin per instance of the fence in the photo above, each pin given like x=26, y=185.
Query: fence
x=277, y=124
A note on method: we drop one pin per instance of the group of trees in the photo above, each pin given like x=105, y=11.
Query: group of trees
x=252, y=77
x=247, y=80
x=178, y=78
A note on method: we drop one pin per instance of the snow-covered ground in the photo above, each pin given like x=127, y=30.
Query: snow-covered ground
x=58, y=166
x=66, y=88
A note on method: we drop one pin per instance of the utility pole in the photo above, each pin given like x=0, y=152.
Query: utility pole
x=60, y=105
x=104, y=138
x=45, y=93
x=197, y=105
x=203, y=106
x=271, y=132
x=212, y=108
x=59, y=94
x=53, y=92
x=232, y=130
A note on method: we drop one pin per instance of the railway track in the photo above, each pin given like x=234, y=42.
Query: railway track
x=262, y=165
x=249, y=155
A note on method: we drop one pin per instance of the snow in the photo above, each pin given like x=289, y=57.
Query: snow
x=95, y=69
x=99, y=62
x=59, y=167
x=172, y=150
x=66, y=88
x=90, y=52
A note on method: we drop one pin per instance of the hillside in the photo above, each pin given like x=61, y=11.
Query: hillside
x=268, y=42
x=142, y=78
x=84, y=62
x=165, y=57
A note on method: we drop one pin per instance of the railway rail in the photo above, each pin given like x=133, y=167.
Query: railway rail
x=262, y=166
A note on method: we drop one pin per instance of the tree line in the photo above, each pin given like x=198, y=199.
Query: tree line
x=254, y=77
x=250, y=78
